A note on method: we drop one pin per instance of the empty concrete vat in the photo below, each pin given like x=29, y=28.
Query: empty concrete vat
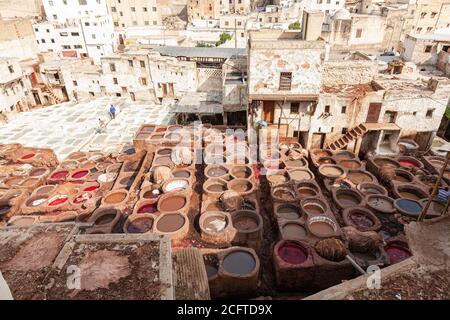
x=293, y=265
x=103, y=220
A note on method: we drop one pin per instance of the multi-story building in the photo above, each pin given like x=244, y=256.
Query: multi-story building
x=424, y=49
x=213, y=9
x=326, y=6
x=135, y=13
x=304, y=91
x=76, y=28
x=17, y=39
x=15, y=87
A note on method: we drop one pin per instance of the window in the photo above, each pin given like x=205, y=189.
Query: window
x=11, y=69
x=327, y=109
x=344, y=109
x=43, y=40
x=155, y=23
x=36, y=29
x=65, y=2
x=87, y=24
x=226, y=23
x=429, y=113
x=134, y=23
x=115, y=81
x=433, y=14
x=429, y=29
x=82, y=2
x=75, y=34
x=75, y=83
x=133, y=9
x=423, y=14
x=78, y=46
x=94, y=36
x=112, y=67
x=358, y=33
x=428, y=48
x=419, y=30
x=344, y=130
x=143, y=81
x=295, y=106
x=50, y=3
x=113, y=9
x=121, y=13
x=116, y=24
x=142, y=64
x=328, y=1
x=52, y=40
x=285, y=80
x=239, y=23
x=66, y=47
x=154, y=9
x=144, y=9
x=389, y=116
x=130, y=63
x=55, y=16
x=92, y=94
x=48, y=30
x=146, y=23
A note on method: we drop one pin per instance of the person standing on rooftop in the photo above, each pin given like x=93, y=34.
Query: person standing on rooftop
x=112, y=111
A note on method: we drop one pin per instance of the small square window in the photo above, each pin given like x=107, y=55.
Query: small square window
x=327, y=109
x=142, y=64
x=428, y=48
x=130, y=63
x=295, y=107
x=344, y=109
x=429, y=113
x=115, y=81
x=285, y=80
x=75, y=83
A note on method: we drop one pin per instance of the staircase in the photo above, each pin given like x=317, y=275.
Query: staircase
x=49, y=91
x=344, y=140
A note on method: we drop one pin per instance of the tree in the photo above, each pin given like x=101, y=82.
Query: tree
x=295, y=26
x=224, y=37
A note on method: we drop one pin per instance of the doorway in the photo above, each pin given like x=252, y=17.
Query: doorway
x=374, y=113
x=268, y=111
x=317, y=140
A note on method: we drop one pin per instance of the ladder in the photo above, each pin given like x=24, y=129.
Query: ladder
x=344, y=140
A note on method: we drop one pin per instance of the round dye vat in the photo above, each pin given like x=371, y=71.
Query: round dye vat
x=215, y=223
x=140, y=225
x=60, y=175
x=4, y=209
x=28, y=156
x=57, y=200
x=240, y=185
x=91, y=188
x=181, y=174
x=296, y=163
x=37, y=172
x=305, y=192
x=300, y=175
x=313, y=208
x=150, y=195
x=330, y=171
x=277, y=178
x=360, y=219
x=170, y=223
x=80, y=174
x=82, y=198
x=409, y=207
x=322, y=227
x=293, y=230
x=147, y=208
x=45, y=189
x=284, y=194
x=397, y=252
x=36, y=201
x=358, y=177
x=239, y=262
x=216, y=188
x=350, y=164
x=105, y=219
x=347, y=200
x=211, y=271
x=408, y=163
x=217, y=172
x=115, y=197
x=288, y=212
x=381, y=203
x=292, y=253
x=173, y=203
x=245, y=223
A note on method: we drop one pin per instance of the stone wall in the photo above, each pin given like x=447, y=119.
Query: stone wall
x=348, y=72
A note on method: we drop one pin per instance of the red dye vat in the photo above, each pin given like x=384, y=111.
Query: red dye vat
x=80, y=174
x=397, y=253
x=292, y=253
x=82, y=198
x=408, y=163
x=91, y=188
x=28, y=156
x=57, y=201
x=147, y=208
x=60, y=175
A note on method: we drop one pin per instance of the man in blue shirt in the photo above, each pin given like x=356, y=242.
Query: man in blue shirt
x=112, y=111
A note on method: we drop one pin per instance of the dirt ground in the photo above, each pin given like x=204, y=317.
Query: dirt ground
x=110, y=271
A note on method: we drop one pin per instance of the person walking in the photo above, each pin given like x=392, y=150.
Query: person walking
x=112, y=111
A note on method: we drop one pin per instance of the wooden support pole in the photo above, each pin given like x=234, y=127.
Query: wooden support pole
x=435, y=189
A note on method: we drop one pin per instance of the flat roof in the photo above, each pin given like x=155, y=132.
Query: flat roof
x=200, y=102
x=432, y=36
x=203, y=52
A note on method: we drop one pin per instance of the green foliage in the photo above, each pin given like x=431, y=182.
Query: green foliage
x=224, y=37
x=203, y=45
x=295, y=26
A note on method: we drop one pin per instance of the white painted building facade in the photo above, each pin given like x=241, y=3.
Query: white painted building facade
x=76, y=28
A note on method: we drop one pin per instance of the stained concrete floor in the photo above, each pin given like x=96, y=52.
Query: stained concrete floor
x=70, y=127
